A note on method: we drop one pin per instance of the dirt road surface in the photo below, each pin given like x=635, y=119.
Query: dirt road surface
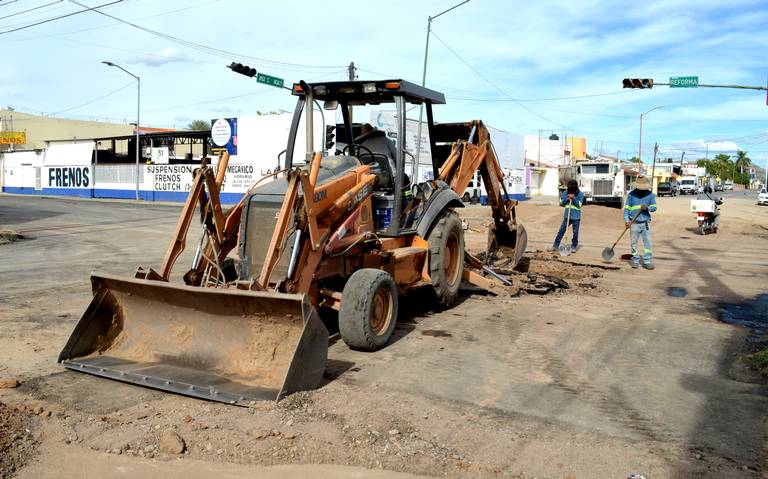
x=625, y=371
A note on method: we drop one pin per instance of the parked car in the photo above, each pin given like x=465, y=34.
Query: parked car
x=718, y=187
x=666, y=188
x=689, y=185
x=762, y=197
x=728, y=186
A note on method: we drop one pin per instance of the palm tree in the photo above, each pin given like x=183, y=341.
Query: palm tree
x=198, y=125
x=743, y=163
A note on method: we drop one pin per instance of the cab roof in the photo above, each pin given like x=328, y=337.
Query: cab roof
x=371, y=92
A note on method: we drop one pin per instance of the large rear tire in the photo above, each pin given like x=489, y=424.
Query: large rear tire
x=446, y=257
x=368, y=310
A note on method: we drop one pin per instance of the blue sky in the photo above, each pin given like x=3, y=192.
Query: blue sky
x=483, y=54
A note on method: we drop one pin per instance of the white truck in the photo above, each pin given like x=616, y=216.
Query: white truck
x=689, y=185
x=601, y=181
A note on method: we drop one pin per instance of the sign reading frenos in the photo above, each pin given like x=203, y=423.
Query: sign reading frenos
x=69, y=177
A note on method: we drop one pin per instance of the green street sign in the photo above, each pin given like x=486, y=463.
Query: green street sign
x=269, y=80
x=684, y=82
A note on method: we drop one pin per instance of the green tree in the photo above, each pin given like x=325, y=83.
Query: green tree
x=742, y=164
x=198, y=125
x=720, y=166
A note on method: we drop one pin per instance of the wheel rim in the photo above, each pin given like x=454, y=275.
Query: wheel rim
x=451, y=267
x=381, y=311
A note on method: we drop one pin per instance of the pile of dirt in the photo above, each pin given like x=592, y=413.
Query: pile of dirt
x=543, y=273
x=17, y=443
x=8, y=236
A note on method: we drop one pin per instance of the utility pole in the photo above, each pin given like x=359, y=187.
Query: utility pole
x=682, y=157
x=352, y=75
x=653, y=168
x=423, y=84
x=640, y=148
x=539, y=150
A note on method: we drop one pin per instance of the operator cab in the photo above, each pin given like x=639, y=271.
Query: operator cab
x=387, y=144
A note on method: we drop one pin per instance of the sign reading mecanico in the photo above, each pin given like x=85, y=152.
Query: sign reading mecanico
x=171, y=177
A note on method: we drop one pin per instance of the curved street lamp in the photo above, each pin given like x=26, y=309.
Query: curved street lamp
x=138, y=114
x=640, y=148
x=415, y=169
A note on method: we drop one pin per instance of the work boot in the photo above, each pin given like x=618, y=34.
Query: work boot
x=648, y=266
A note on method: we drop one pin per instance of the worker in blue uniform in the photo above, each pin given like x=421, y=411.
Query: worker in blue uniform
x=640, y=202
x=571, y=199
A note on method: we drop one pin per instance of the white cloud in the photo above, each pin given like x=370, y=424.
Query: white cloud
x=163, y=57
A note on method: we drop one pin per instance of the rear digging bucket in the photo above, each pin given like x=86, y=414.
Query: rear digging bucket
x=224, y=345
x=508, y=242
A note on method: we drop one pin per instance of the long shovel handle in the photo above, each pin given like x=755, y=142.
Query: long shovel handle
x=625, y=230
x=568, y=218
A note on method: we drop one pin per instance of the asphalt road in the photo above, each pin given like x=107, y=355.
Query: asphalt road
x=642, y=374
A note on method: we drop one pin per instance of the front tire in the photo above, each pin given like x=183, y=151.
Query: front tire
x=446, y=257
x=368, y=312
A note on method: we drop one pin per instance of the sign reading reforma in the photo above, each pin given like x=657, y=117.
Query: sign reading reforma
x=13, y=138
x=684, y=82
x=68, y=176
x=224, y=135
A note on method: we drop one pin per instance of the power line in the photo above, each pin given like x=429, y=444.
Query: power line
x=233, y=97
x=31, y=9
x=211, y=50
x=111, y=24
x=87, y=9
x=544, y=99
x=514, y=100
x=94, y=100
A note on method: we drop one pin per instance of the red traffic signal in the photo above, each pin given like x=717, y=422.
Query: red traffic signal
x=638, y=82
x=242, y=69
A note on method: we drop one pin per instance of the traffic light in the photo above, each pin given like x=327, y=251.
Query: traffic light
x=242, y=69
x=329, y=136
x=638, y=83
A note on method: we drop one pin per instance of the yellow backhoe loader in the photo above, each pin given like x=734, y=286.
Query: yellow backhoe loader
x=348, y=231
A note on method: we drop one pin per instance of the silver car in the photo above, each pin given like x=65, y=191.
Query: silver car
x=762, y=197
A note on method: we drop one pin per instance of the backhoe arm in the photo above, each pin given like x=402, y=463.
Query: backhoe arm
x=477, y=154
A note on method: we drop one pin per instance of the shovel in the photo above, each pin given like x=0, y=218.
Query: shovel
x=565, y=248
x=608, y=250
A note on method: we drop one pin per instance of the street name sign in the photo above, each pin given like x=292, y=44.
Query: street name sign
x=684, y=82
x=269, y=80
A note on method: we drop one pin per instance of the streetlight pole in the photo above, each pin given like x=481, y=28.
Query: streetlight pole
x=640, y=147
x=414, y=170
x=138, y=116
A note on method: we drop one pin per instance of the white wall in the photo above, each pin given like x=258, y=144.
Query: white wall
x=69, y=153
x=510, y=148
x=550, y=183
x=552, y=151
x=20, y=168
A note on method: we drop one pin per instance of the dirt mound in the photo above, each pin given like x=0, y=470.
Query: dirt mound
x=17, y=444
x=8, y=236
x=543, y=273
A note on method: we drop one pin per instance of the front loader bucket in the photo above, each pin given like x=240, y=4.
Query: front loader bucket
x=225, y=345
x=508, y=243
